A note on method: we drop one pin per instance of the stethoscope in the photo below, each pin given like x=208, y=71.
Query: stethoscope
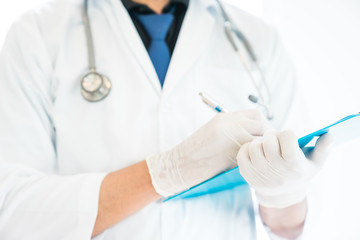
x=95, y=86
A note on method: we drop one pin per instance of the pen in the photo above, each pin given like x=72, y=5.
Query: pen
x=211, y=103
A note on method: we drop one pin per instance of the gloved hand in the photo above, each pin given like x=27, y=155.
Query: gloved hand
x=209, y=151
x=277, y=168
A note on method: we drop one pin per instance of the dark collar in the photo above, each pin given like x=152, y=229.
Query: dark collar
x=130, y=5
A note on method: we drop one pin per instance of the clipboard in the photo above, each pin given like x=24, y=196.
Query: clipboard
x=343, y=131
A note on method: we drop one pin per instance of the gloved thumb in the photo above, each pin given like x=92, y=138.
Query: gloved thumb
x=322, y=149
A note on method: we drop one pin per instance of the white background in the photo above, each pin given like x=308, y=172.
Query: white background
x=323, y=39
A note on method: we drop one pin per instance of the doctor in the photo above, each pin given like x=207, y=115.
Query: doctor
x=75, y=169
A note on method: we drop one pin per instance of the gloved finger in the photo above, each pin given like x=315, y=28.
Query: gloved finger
x=255, y=127
x=252, y=120
x=322, y=149
x=289, y=147
x=257, y=115
x=261, y=164
x=253, y=114
x=257, y=155
x=271, y=148
x=286, y=158
x=230, y=157
x=245, y=166
x=239, y=135
x=251, y=174
x=243, y=159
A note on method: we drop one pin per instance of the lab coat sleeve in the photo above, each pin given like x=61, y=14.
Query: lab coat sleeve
x=35, y=201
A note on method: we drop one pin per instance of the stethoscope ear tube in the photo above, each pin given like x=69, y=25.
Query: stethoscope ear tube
x=268, y=112
x=245, y=42
x=231, y=31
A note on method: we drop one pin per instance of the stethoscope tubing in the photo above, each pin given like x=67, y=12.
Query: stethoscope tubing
x=231, y=32
x=89, y=38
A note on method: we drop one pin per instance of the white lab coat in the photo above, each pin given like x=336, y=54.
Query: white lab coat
x=56, y=148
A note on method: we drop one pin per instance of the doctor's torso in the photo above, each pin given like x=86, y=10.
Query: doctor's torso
x=139, y=117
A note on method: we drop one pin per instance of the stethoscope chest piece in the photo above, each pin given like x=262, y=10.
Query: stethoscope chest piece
x=95, y=87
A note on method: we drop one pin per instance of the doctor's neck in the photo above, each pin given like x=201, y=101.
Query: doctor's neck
x=156, y=5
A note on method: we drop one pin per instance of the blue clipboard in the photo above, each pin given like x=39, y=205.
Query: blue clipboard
x=343, y=130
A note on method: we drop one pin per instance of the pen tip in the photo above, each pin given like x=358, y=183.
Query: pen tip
x=201, y=94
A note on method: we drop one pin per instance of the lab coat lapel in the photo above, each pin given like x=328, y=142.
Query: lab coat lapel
x=122, y=25
x=195, y=32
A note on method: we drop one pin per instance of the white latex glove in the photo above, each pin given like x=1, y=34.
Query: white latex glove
x=278, y=170
x=209, y=151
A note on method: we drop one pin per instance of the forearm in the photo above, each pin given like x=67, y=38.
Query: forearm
x=123, y=193
x=286, y=222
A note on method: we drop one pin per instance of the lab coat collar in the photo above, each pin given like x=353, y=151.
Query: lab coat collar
x=130, y=4
x=195, y=32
